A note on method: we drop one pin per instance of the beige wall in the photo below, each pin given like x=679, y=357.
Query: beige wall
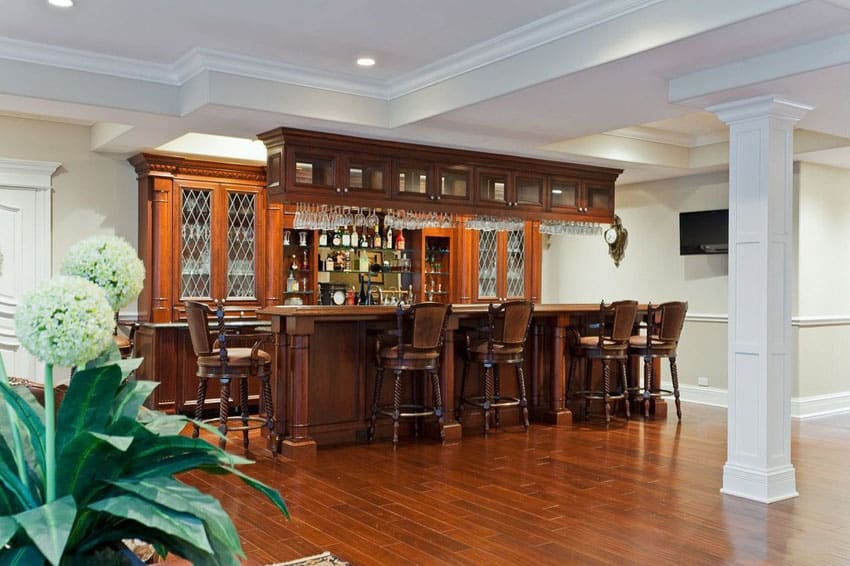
x=821, y=304
x=578, y=268
x=93, y=193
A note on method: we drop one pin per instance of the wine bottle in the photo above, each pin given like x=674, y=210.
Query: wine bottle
x=399, y=240
x=346, y=237
x=355, y=238
x=388, y=239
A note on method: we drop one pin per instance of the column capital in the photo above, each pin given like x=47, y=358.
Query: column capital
x=760, y=107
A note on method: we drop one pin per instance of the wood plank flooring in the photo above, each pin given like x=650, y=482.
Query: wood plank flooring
x=637, y=492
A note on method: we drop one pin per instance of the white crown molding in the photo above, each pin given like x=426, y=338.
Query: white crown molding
x=572, y=20
x=654, y=135
x=199, y=60
x=550, y=28
x=86, y=61
x=27, y=174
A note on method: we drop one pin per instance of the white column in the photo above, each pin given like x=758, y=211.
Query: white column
x=758, y=460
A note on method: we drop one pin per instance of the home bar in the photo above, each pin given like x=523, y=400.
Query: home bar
x=322, y=244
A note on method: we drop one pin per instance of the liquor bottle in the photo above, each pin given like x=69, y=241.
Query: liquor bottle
x=291, y=282
x=305, y=264
x=388, y=239
x=347, y=261
x=399, y=240
x=363, y=299
x=355, y=238
x=364, y=239
x=329, y=262
x=323, y=239
x=346, y=237
x=337, y=238
x=364, y=261
x=376, y=239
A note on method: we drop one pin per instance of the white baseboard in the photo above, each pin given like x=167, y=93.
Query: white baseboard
x=801, y=407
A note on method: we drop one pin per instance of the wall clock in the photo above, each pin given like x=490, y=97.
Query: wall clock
x=616, y=237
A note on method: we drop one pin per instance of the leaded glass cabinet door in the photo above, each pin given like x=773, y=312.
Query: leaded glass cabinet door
x=196, y=227
x=241, y=281
x=515, y=273
x=488, y=265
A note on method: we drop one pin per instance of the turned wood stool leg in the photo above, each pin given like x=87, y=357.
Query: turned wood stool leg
x=199, y=408
x=523, y=400
x=674, y=374
x=588, y=374
x=496, y=395
x=438, y=402
x=605, y=389
x=624, y=372
x=396, y=405
x=647, y=384
x=376, y=400
x=243, y=401
x=268, y=412
x=463, y=375
x=488, y=395
x=224, y=411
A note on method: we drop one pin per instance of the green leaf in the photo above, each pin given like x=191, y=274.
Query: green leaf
x=131, y=395
x=122, y=443
x=13, y=486
x=110, y=355
x=128, y=366
x=48, y=526
x=86, y=403
x=8, y=528
x=271, y=493
x=180, y=525
x=86, y=461
x=176, y=495
x=30, y=418
x=24, y=556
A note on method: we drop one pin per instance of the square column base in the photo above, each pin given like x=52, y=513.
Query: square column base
x=765, y=486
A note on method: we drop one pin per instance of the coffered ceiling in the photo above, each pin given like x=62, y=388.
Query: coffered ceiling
x=621, y=83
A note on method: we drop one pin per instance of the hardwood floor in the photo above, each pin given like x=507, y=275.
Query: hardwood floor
x=637, y=492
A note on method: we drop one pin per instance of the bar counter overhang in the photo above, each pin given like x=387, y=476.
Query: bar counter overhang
x=324, y=370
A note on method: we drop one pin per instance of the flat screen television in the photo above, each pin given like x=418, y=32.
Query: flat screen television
x=704, y=232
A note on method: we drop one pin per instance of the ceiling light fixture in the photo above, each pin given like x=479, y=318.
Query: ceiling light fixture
x=61, y=3
x=365, y=61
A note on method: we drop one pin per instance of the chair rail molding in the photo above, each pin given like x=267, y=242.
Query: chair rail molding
x=25, y=242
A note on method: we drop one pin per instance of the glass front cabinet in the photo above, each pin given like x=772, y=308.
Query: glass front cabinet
x=201, y=235
x=506, y=264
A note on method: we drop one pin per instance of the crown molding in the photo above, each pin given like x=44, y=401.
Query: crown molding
x=27, y=174
x=199, y=60
x=584, y=15
x=654, y=135
x=561, y=24
x=86, y=61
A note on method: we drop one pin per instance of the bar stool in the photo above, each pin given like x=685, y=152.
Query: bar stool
x=226, y=364
x=507, y=331
x=664, y=327
x=421, y=353
x=615, y=328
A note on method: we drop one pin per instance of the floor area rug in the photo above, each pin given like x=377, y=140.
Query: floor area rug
x=323, y=559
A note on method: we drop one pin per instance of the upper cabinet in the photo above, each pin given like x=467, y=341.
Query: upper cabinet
x=574, y=196
x=306, y=166
x=202, y=232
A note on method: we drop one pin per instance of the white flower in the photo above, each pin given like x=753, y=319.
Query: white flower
x=65, y=321
x=110, y=262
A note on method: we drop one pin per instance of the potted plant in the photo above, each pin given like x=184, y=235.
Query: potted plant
x=78, y=480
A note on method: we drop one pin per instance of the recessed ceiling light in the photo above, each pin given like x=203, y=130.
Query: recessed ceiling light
x=365, y=61
x=61, y=3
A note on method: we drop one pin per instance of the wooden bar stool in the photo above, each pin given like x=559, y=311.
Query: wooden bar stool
x=664, y=327
x=507, y=331
x=615, y=328
x=417, y=350
x=226, y=364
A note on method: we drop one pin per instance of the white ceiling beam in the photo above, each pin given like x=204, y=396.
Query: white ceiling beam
x=703, y=87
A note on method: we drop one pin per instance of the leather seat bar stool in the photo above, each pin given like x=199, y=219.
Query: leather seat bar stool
x=610, y=345
x=664, y=327
x=507, y=331
x=419, y=336
x=226, y=364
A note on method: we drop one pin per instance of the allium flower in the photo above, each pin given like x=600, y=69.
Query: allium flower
x=110, y=262
x=65, y=321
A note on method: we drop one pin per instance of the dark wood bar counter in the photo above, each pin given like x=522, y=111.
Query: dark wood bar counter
x=324, y=371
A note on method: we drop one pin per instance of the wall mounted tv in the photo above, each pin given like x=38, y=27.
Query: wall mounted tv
x=704, y=232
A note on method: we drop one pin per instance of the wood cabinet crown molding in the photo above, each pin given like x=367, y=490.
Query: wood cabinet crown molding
x=153, y=164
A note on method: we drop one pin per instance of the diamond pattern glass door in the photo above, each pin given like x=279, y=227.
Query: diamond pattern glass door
x=487, y=256
x=195, y=266
x=516, y=264
x=241, y=257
